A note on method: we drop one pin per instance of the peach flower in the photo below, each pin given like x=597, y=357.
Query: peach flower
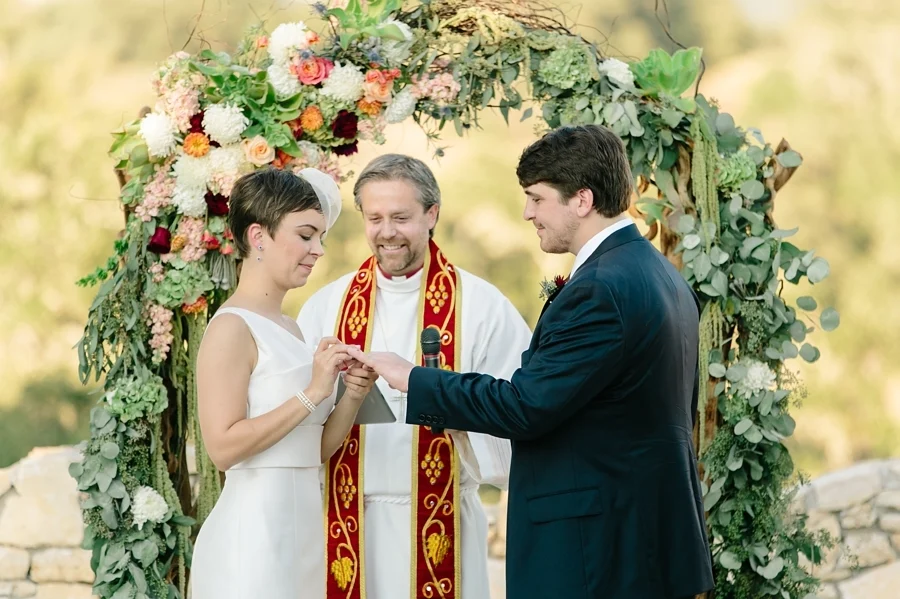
x=258, y=151
x=378, y=86
x=369, y=108
x=312, y=118
x=196, y=145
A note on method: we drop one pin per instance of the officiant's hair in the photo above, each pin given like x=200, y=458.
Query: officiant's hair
x=400, y=167
x=573, y=158
x=266, y=196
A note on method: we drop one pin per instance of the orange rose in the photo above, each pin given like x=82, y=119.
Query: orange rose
x=196, y=145
x=369, y=108
x=311, y=119
x=258, y=151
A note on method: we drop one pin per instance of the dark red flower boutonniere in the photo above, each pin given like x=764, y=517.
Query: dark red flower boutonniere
x=550, y=289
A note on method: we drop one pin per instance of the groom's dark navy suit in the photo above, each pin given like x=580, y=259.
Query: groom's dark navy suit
x=604, y=496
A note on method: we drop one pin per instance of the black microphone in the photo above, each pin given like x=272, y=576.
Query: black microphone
x=430, y=340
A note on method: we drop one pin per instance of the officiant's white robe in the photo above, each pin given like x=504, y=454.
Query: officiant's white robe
x=494, y=335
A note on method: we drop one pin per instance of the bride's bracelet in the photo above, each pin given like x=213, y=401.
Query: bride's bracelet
x=309, y=405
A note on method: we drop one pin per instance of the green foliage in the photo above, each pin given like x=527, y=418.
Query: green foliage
x=356, y=21
x=113, y=333
x=183, y=284
x=662, y=75
x=135, y=395
x=128, y=561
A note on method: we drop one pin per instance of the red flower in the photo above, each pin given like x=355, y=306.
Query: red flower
x=197, y=123
x=282, y=159
x=559, y=281
x=345, y=125
x=195, y=308
x=216, y=204
x=296, y=127
x=161, y=241
x=210, y=241
x=346, y=149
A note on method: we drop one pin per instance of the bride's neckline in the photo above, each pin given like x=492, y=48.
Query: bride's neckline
x=266, y=318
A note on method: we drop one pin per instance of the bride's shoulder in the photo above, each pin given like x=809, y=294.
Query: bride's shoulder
x=227, y=328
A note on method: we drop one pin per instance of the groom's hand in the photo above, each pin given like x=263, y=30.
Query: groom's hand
x=391, y=367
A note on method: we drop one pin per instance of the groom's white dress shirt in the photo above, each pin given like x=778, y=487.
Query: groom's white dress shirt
x=594, y=242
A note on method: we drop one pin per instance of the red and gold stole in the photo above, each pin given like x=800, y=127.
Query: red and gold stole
x=435, y=543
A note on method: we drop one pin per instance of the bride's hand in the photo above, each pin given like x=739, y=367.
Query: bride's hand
x=329, y=358
x=359, y=380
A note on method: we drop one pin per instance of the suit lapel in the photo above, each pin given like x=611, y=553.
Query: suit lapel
x=617, y=239
x=620, y=237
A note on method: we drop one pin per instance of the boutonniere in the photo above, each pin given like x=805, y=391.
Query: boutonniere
x=549, y=289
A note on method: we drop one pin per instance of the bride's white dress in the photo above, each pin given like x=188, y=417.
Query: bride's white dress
x=265, y=537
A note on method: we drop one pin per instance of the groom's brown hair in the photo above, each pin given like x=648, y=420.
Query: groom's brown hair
x=571, y=158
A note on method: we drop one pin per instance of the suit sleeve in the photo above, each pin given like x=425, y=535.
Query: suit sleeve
x=581, y=350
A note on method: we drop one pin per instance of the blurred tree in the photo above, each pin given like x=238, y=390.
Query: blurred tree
x=51, y=411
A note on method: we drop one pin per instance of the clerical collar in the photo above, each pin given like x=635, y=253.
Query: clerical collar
x=398, y=277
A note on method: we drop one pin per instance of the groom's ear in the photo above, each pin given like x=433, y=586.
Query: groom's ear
x=584, y=202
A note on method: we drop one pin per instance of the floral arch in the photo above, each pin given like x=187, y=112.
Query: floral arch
x=295, y=98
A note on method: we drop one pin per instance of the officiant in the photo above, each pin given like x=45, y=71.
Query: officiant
x=404, y=516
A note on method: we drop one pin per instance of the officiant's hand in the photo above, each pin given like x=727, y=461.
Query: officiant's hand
x=358, y=379
x=391, y=367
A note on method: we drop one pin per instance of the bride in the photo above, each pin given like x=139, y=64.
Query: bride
x=266, y=399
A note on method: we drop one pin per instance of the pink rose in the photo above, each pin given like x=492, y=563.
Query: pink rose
x=312, y=71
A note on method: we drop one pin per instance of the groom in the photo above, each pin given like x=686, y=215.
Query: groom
x=604, y=496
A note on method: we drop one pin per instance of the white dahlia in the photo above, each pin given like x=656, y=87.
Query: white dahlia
x=396, y=51
x=402, y=107
x=158, y=132
x=192, y=172
x=618, y=73
x=345, y=83
x=285, y=40
x=759, y=378
x=148, y=506
x=190, y=201
x=224, y=123
x=285, y=83
x=226, y=165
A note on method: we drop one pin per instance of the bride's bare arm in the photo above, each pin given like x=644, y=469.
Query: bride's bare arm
x=226, y=359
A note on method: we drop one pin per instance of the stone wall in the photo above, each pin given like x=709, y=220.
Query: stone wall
x=860, y=506
x=41, y=529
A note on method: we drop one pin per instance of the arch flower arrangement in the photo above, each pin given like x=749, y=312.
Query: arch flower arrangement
x=295, y=97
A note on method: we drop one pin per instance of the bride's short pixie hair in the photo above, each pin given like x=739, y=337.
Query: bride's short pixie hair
x=265, y=197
